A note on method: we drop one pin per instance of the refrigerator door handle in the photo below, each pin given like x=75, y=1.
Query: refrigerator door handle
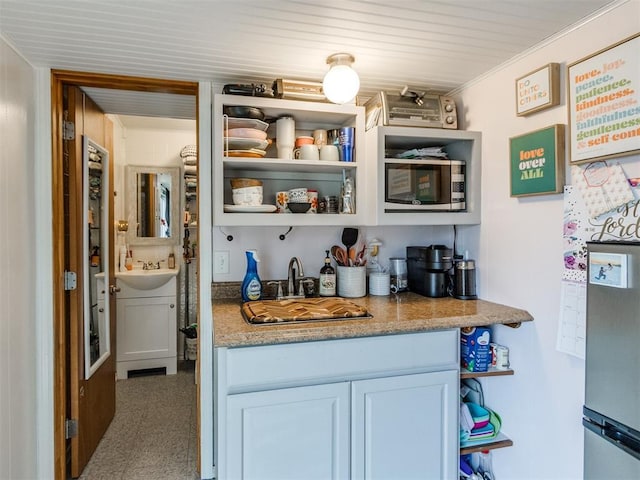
x=626, y=442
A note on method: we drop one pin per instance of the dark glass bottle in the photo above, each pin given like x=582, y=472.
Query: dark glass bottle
x=327, y=278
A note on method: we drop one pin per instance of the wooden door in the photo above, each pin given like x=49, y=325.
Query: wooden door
x=406, y=427
x=91, y=401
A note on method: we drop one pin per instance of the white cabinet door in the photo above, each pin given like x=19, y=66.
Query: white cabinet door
x=406, y=427
x=146, y=328
x=291, y=433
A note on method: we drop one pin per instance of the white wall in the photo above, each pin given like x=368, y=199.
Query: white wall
x=18, y=414
x=309, y=244
x=520, y=262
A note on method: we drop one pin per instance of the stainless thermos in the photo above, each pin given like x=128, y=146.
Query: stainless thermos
x=464, y=281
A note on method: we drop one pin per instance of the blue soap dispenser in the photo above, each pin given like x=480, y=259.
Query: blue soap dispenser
x=251, y=285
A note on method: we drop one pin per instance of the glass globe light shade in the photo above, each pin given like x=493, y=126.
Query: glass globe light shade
x=341, y=83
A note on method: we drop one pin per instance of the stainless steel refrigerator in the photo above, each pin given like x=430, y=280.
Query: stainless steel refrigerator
x=611, y=412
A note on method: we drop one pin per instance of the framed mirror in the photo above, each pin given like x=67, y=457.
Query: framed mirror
x=153, y=205
x=95, y=178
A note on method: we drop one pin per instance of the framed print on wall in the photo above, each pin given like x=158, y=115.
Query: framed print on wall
x=604, y=103
x=537, y=162
x=538, y=90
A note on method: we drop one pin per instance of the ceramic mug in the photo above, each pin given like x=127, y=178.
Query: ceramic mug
x=306, y=152
x=312, y=196
x=282, y=199
x=329, y=153
x=320, y=137
x=304, y=141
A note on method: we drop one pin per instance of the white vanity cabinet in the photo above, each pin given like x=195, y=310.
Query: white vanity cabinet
x=459, y=145
x=371, y=407
x=280, y=174
x=146, y=328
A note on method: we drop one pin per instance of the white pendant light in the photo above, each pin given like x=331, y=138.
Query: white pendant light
x=341, y=83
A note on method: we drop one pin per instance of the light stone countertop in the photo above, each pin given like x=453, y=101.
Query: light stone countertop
x=402, y=313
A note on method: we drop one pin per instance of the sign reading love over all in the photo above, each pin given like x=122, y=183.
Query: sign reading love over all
x=537, y=162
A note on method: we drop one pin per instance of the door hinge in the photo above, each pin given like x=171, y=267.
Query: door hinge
x=70, y=280
x=68, y=131
x=70, y=428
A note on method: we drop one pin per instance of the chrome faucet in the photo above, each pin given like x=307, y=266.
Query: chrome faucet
x=291, y=276
x=150, y=265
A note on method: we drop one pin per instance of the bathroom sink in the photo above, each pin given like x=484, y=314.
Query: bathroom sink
x=265, y=312
x=146, y=279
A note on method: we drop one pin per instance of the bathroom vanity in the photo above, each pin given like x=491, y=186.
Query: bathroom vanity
x=147, y=321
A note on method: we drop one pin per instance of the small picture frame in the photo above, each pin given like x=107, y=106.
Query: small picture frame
x=538, y=90
x=608, y=269
x=537, y=162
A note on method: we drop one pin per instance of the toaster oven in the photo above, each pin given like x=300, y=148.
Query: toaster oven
x=433, y=111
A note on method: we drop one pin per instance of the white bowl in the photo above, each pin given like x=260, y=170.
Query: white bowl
x=247, y=196
x=298, y=195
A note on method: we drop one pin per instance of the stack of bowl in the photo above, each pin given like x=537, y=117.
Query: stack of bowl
x=298, y=200
x=246, y=191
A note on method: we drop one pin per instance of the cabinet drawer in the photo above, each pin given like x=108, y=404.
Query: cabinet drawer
x=276, y=366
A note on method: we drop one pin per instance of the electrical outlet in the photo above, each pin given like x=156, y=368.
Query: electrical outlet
x=221, y=262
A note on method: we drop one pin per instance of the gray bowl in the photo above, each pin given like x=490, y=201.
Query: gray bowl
x=299, y=207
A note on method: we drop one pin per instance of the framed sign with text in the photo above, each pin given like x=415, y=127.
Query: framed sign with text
x=604, y=103
x=538, y=90
x=537, y=162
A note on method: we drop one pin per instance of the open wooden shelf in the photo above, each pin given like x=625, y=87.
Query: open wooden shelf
x=500, y=441
x=492, y=372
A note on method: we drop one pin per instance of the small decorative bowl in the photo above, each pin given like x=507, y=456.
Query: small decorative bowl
x=299, y=207
x=298, y=195
x=247, y=196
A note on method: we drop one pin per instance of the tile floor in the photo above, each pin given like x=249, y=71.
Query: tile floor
x=153, y=434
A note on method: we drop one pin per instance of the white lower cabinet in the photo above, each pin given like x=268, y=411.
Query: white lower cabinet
x=403, y=427
x=364, y=408
x=289, y=434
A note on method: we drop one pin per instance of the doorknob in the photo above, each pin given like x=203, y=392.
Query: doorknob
x=113, y=289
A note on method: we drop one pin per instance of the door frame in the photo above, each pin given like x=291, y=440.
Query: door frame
x=60, y=78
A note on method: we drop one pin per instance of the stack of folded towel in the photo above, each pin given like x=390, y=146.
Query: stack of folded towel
x=477, y=421
x=189, y=155
x=95, y=159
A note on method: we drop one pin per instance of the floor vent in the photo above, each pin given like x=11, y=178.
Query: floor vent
x=147, y=372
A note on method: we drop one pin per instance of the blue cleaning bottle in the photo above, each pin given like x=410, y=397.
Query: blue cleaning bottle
x=251, y=285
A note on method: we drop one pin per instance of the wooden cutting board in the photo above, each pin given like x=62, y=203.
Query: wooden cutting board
x=293, y=310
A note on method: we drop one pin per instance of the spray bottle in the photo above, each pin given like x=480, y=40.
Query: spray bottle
x=251, y=285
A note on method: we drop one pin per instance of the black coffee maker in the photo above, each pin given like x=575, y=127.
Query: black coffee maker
x=429, y=270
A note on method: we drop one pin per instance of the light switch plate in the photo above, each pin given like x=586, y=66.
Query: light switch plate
x=221, y=261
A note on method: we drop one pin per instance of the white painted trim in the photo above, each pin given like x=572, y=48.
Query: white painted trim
x=205, y=315
x=546, y=42
x=44, y=348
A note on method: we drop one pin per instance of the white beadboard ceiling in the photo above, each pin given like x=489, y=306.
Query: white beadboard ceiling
x=435, y=45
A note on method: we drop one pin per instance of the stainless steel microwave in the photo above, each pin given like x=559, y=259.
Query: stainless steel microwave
x=424, y=185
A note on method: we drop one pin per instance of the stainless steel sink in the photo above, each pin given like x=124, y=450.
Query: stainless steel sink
x=305, y=310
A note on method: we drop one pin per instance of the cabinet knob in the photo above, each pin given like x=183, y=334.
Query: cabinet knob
x=101, y=310
x=171, y=306
x=113, y=289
